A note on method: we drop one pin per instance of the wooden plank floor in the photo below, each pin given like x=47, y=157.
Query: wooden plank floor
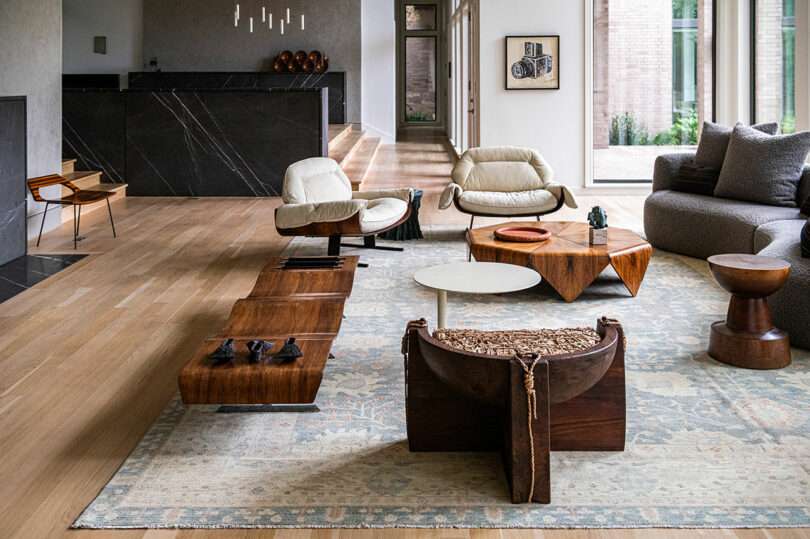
x=90, y=357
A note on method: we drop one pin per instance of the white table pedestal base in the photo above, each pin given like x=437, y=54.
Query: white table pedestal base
x=441, y=308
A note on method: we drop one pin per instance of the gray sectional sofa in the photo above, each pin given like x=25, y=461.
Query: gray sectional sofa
x=702, y=226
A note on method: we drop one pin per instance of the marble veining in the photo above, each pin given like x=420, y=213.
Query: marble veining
x=220, y=143
x=93, y=131
x=335, y=81
x=217, y=142
x=12, y=178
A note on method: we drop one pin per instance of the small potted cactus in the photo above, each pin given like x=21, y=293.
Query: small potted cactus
x=597, y=233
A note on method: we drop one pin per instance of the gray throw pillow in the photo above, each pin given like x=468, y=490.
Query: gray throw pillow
x=711, y=150
x=695, y=179
x=763, y=168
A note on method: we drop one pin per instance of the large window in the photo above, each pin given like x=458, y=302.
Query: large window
x=652, y=82
x=775, y=64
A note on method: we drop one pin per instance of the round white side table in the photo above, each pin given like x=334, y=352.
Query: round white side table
x=473, y=278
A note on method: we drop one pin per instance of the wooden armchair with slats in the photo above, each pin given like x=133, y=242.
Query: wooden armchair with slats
x=77, y=199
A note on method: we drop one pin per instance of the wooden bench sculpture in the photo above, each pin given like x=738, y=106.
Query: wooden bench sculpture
x=525, y=406
x=302, y=302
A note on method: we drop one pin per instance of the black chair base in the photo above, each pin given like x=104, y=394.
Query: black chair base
x=369, y=242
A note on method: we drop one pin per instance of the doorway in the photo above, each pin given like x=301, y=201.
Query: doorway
x=421, y=61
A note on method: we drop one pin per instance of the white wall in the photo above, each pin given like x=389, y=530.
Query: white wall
x=733, y=69
x=379, y=68
x=31, y=65
x=552, y=121
x=123, y=26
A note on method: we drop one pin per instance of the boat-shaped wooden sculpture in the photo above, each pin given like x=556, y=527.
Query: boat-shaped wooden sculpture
x=300, y=299
x=523, y=406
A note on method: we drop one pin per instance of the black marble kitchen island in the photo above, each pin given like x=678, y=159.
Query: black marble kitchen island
x=335, y=81
x=221, y=142
x=210, y=142
x=94, y=131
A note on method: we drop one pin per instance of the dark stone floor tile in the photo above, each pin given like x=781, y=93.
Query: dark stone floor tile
x=26, y=271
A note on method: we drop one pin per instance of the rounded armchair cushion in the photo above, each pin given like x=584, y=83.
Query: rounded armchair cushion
x=532, y=202
x=314, y=180
x=502, y=169
x=297, y=215
x=381, y=213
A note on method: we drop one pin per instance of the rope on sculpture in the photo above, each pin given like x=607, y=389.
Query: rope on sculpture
x=531, y=411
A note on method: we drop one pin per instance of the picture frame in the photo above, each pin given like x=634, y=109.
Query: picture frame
x=532, y=62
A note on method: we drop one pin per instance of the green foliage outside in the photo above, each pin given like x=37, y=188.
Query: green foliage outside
x=625, y=130
x=415, y=116
x=788, y=124
x=684, y=131
x=684, y=9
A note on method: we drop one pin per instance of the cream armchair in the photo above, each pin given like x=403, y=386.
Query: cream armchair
x=504, y=182
x=319, y=202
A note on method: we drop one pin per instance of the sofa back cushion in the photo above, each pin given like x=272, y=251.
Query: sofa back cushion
x=714, y=139
x=314, y=180
x=695, y=179
x=804, y=191
x=763, y=168
x=504, y=169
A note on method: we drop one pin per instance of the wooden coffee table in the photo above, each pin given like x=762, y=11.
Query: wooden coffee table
x=567, y=261
x=748, y=338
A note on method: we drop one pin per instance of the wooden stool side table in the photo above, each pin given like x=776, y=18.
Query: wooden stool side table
x=748, y=338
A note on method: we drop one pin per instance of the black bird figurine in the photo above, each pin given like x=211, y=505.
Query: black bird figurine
x=257, y=350
x=224, y=353
x=289, y=352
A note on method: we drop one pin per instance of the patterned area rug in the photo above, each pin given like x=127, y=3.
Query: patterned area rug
x=707, y=445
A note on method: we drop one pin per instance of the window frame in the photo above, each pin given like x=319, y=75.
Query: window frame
x=589, y=180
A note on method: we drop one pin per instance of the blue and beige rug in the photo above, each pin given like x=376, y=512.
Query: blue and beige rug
x=707, y=445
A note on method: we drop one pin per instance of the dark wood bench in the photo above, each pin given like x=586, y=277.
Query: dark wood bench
x=77, y=199
x=465, y=401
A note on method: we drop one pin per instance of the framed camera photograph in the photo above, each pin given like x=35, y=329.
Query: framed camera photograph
x=532, y=62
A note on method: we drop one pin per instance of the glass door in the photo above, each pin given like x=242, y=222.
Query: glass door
x=421, y=89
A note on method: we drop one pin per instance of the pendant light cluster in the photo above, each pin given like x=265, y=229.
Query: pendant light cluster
x=283, y=20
